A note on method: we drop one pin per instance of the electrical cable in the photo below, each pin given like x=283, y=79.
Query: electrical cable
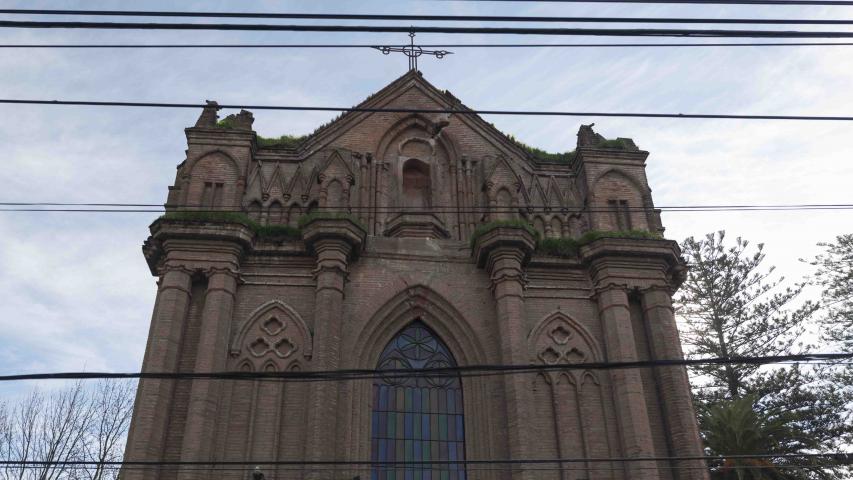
x=529, y=209
x=437, y=18
x=695, y=2
x=460, y=111
x=457, y=45
x=414, y=463
x=159, y=207
x=613, y=32
x=457, y=371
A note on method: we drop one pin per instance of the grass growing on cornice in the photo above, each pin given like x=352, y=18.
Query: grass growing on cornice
x=596, y=234
x=287, y=141
x=227, y=122
x=558, y=247
x=487, y=227
x=306, y=219
x=568, y=247
x=262, y=231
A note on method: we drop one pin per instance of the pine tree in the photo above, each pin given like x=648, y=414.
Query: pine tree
x=733, y=306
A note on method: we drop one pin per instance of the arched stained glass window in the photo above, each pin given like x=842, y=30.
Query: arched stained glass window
x=417, y=418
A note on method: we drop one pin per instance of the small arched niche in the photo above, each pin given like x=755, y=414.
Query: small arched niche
x=416, y=184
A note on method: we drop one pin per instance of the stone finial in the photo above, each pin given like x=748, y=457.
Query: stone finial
x=586, y=136
x=208, y=116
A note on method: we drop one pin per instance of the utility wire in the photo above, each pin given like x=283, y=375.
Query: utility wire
x=437, y=18
x=413, y=463
x=613, y=32
x=457, y=371
x=530, y=209
x=695, y=2
x=457, y=45
x=459, y=111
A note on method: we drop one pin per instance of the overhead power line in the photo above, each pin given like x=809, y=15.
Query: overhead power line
x=437, y=18
x=694, y=2
x=461, y=371
x=456, y=45
x=459, y=111
x=613, y=32
x=842, y=457
x=159, y=208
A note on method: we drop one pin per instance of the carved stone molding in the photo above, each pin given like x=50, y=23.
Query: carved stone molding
x=339, y=230
x=505, y=237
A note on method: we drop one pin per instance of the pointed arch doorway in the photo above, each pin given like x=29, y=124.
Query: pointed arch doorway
x=417, y=418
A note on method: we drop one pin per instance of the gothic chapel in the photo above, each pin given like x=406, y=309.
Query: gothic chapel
x=411, y=241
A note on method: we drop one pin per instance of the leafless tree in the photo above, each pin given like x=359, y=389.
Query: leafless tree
x=76, y=423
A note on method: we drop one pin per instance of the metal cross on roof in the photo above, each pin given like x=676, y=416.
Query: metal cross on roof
x=413, y=51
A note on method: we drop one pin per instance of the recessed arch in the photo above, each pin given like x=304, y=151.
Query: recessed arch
x=559, y=318
x=417, y=302
x=422, y=414
x=280, y=310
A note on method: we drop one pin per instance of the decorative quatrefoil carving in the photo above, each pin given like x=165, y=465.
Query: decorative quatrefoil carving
x=273, y=336
x=553, y=356
x=284, y=347
x=559, y=339
x=560, y=334
x=259, y=347
x=273, y=326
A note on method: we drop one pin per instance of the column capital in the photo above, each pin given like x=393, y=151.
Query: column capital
x=343, y=234
x=504, y=239
x=639, y=263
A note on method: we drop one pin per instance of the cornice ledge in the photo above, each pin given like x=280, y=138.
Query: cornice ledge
x=604, y=247
x=342, y=229
x=168, y=229
x=504, y=236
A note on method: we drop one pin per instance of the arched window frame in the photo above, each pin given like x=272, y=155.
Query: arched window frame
x=417, y=418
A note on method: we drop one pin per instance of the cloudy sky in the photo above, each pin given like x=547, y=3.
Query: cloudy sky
x=77, y=294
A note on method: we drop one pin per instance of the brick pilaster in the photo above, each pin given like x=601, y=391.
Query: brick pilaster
x=503, y=252
x=673, y=384
x=211, y=356
x=334, y=242
x=631, y=411
x=154, y=396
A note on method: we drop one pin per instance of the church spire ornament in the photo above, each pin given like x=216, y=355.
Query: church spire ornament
x=413, y=51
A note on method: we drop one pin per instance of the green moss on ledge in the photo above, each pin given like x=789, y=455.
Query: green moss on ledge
x=262, y=231
x=285, y=141
x=306, y=219
x=227, y=122
x=488, y=227
x=568, y=247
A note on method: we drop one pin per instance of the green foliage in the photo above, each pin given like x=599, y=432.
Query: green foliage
x=558, y=247
x=487, y=227
x=540, y=154
x=835, y=276
x=310, y=217
x=262, y=231
x=568, y=247
x=596, y=234
x=211, y=217
x=227, y=122
x=286, y=141
x=617, y=144
x=734, y=427
x=733, y=306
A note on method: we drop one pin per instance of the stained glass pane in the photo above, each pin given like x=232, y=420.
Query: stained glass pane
x=417, y=417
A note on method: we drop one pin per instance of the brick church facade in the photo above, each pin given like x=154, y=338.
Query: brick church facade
x=422, y=242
